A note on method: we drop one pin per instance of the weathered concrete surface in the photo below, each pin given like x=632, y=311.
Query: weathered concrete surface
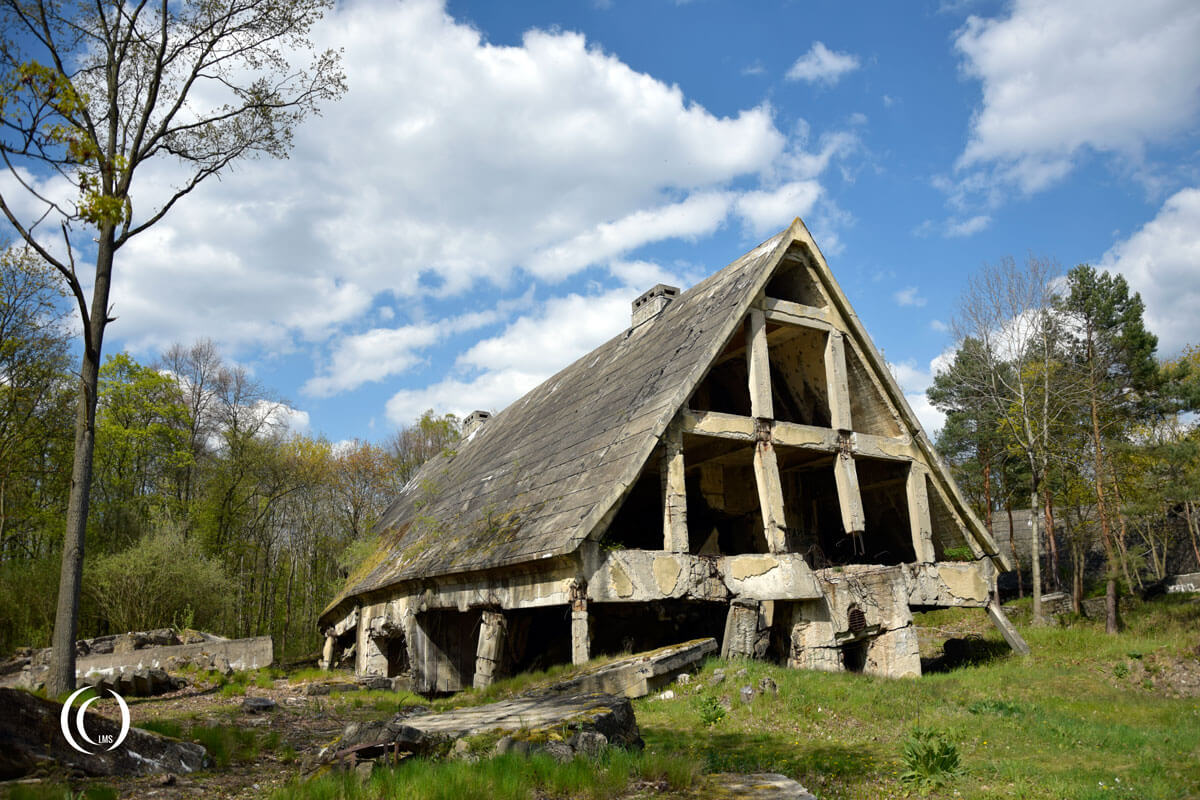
x=31, y=738
x=137, y=653
x=533, y=719
x=1181, y=584
x=646, y=575
x=755, y=786
x=137, y=683
x=947, y=583
x=640, y=674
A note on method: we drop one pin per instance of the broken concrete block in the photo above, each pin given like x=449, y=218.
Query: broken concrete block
x=258, y=705
x=767, y=685
x=747, y=694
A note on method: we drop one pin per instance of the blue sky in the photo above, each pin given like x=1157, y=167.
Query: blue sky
x=501, y=181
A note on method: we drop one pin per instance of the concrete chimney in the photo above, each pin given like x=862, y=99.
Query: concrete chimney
x=649, y=304
x=474, y=422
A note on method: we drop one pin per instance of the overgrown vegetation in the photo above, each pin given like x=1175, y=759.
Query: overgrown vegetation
x=207, y=511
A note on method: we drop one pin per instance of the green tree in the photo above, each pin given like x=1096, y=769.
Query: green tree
x=1114, y=355
x=413, y=445
x=141, y=442
x=93, y=92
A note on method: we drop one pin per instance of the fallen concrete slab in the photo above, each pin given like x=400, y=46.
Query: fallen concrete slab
x=534, y=720
x=642, y=673
x=31, y=738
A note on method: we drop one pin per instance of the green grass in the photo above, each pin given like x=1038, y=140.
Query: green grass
x=508, y=777
x=226, y=744
x=1060, y=724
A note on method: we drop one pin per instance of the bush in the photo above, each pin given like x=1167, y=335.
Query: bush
x=711, y=711
x=162, y=577
x=929, y=759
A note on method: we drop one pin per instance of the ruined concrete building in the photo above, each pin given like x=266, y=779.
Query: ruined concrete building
x=739, y=463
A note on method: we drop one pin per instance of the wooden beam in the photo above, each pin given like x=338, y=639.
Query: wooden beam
x=845, y=475
x=758, y=365
x=770, y=497
x=918, y=514
x=837, y=382
x=785, y=312
x=674, y=492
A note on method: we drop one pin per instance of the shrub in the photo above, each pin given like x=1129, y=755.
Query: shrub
x=929, y=759
x=162, y=577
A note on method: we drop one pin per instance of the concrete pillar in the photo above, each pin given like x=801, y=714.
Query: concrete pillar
x=894, y=654
x=758, y=365
x=741, y=630
x=580, y=636
x=837, y=382
x=1010, y=634
x=845, y=476
x=490, y=648
x=770, y=496
x=327, y=652
x=918, y=514
x=674, y=492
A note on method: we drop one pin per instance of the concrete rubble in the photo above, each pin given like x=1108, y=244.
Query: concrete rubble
x=31, y=740
x=566, y=724
x=136, y=664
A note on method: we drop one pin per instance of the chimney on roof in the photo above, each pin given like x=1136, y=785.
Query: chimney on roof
x=649, y=304
x=474, y=422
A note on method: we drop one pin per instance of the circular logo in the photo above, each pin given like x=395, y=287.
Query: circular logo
x=101, y=739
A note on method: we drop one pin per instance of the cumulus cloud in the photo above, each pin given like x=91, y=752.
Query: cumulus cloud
x=1162, y=262
x=499, y=369
x=914, y=382
x=822, y=65
x=450, y=162
x=770, y=210
x=1063, y=78
x=967, y=227
x=908, y=297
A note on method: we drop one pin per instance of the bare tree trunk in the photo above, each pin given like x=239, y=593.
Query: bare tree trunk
x=1190, y=515
x=1112, y=623
x=987, y=504
x=61, y=679
x=1035, y=554
x=1078, y=563
x=1048, y=504
x=1012, y=546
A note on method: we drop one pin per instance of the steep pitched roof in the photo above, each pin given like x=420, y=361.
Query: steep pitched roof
x=546, y=472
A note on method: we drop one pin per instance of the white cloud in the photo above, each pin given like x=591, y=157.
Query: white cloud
x=372, y=356
x=908, y=297
x=1162, y=262
x=967, y=227
x=914, y=381
x=766, y=211
x=822, y=65
x=754, y=68
x=450, y=162
x=939, y=326
x=1062, y=77
x=504, y=367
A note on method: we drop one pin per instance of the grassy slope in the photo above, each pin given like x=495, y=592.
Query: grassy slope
x=1074, y=721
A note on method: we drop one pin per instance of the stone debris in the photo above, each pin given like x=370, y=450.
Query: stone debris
x=756, y=786
x=31, y=739
x=525, y=725
x=139, y=683
x=767, y=685
x=641, y=673
x=258, y=705
x=108, y=659
x=667, y=695
x=683, y=679
x=717, y=677
x=747, y=694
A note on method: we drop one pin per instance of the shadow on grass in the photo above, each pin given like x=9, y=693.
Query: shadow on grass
x=969, y=651
x=766, y=752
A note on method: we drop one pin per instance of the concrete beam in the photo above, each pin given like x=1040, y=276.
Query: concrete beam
x=758, y=365
x=720, y=425
x=1010, y=634
x=674, y=492
x=785, y=312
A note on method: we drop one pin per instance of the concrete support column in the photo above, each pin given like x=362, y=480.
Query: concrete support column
x=580, y=635
x=894, y=654
x=327, y=652
x=758, y=365
x=1010, y=634
x=741, y=630
x=770, y=495
x=490, y=648
x=918, y=514
x=837, y=382
x=674, y=492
